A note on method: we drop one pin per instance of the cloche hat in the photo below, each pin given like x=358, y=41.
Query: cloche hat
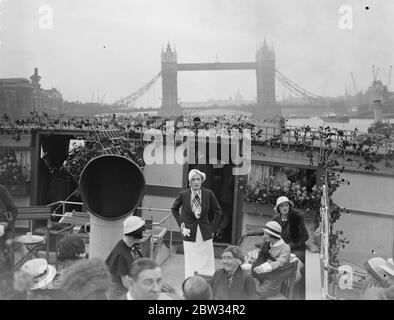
x=281, y=200
x=132, y=223
x=273, y=228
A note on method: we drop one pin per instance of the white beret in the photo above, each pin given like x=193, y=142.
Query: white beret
x=193, y=172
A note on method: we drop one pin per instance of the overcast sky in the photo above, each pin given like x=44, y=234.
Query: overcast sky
x=113, y=47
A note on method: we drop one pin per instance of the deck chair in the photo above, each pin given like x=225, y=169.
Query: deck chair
x=288, y=274
x=35, y=213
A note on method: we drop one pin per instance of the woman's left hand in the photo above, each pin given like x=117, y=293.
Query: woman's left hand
x=259, y=269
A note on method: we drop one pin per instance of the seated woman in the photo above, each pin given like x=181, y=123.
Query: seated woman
x=274, y=253
x=294, y=232
x=71, y=250
x=231, y=282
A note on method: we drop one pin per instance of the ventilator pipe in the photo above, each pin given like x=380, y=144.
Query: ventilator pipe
x=111, y=187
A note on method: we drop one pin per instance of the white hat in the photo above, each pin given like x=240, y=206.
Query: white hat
x=281, y=200
x=273, y=228
x=193, y=172
x=42, y=272
x=132, y=223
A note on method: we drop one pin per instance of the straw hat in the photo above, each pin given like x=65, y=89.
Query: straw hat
x=42, y=272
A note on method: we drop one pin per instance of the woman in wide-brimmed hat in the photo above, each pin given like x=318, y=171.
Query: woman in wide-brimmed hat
x=294, y=231
x=34, y=281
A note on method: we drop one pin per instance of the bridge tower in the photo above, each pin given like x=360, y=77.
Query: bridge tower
x=265, y=74
x=169, y=74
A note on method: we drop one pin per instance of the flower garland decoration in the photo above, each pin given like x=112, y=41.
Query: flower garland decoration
x=93, y=147
x=267, y=192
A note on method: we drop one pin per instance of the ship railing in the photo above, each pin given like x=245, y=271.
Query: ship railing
x=325, y=266
x=324, y=245
x=284, y=137
x=163, y=223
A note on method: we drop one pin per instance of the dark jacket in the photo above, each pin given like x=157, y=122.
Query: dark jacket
x=294, y=232
x=209, y=205
x=242, y=286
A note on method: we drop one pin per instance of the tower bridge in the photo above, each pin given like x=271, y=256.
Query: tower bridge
x=266, y=74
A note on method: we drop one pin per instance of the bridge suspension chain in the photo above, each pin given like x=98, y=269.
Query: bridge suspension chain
x=296, y=85
x=293, y=87
x=296, y=91
x=130, y=100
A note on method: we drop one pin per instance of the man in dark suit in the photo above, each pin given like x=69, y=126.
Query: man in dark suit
x=197, y=205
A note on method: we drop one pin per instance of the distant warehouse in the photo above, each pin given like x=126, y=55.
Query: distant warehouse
x=20, y=96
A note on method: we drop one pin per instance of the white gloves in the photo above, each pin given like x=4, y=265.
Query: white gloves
x=246, y=266
x=262, y=268
x=265, y=267
x=251, y=256
x=1, y=230
x=185, y=232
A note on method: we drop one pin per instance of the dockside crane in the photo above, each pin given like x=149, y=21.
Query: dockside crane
x=373, y=73
x=377, y=73
x=354, y=83
x=102, y=99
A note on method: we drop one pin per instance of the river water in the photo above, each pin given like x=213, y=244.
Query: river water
x=361, y=124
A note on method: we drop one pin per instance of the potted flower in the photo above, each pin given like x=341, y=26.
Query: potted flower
x=266, y=192
x=12, y=177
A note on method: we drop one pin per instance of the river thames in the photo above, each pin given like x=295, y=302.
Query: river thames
x=361, y=124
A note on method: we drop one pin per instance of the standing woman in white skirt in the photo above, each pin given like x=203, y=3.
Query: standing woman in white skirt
x=197, y=204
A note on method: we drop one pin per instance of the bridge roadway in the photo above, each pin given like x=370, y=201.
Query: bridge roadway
x=217, y=66
x=244, y=108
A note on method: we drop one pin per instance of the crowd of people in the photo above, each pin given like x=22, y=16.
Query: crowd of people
x=127, y=275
